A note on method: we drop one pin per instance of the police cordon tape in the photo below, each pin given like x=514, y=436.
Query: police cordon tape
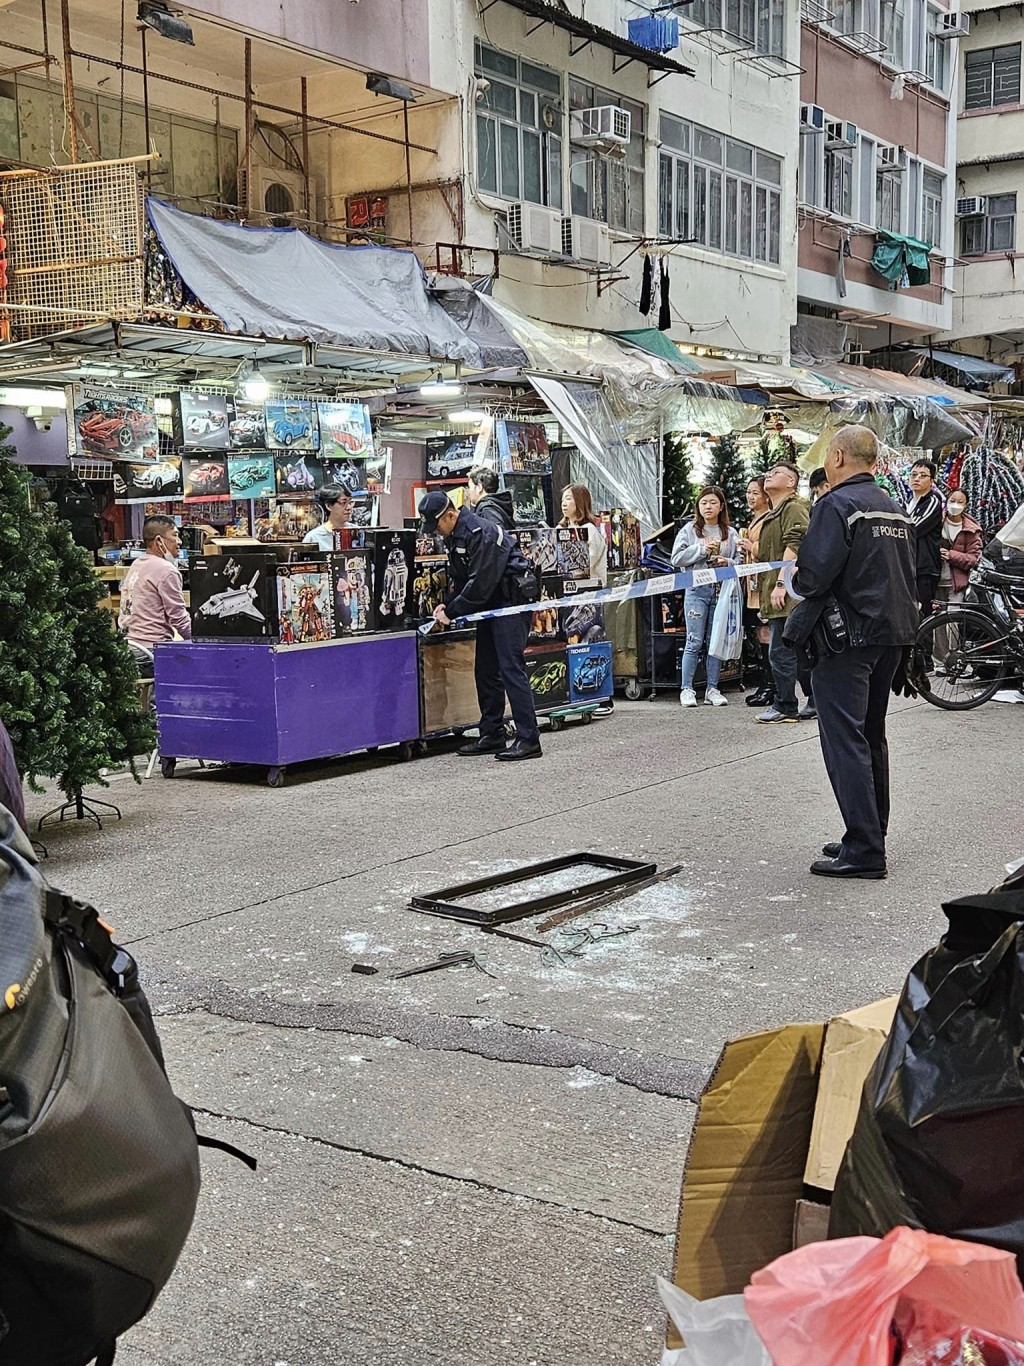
x=643, y=588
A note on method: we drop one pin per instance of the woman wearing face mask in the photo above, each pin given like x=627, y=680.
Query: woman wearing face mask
x=705, y=543
x=959, y=552
x=757, y=502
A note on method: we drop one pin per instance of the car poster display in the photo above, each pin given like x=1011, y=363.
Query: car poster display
x=144, y=482
x=205, y=478
x=298, y=474
x=590, y=671
x=117, y=424
x=522, y=448
x=201, y=421
x=345, y=430
x=347, y=474
x=252, y=476
x=450, y=457
x=291, y=424
x=247, y=429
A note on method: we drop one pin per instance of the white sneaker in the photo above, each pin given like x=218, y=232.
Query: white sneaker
x=716, y=698
x=687, y=698
x=1009, y=695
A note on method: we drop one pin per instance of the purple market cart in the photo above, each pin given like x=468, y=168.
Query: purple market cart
x=262, y=703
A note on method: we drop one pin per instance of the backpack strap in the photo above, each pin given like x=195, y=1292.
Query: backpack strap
x=63, y=912
x=229, y=1148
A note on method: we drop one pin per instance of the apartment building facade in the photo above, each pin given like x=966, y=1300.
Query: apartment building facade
x=877, y=156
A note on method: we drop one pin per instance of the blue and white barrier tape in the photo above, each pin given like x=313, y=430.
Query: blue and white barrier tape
x=643, y=588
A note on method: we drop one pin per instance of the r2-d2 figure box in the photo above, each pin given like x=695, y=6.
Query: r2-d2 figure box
x=394, y=573
x=233, y=597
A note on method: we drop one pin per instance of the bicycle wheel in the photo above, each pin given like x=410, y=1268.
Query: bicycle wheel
x=980, y=655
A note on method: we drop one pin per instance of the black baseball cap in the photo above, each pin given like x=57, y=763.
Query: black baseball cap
x=432, y=508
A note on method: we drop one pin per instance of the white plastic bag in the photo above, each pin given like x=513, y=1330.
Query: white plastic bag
x=727, y=624
x=717, y=1332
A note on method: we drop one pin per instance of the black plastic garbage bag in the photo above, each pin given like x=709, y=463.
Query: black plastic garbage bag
x=939, y=1138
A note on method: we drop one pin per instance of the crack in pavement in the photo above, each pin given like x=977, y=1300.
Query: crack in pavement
x=468, y=839
x=480, y=1036
x=407, y=1165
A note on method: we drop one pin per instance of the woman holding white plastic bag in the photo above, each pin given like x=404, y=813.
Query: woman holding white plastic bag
x=708, y=542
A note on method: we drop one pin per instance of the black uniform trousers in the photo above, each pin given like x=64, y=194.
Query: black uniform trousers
x=501, y=672
x=851, y=693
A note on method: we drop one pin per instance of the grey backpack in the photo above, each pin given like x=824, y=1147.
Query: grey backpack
x=99, y=1162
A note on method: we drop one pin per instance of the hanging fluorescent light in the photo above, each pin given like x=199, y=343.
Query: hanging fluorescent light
x=33, y=398
x=439, y=388
x=467, y=415
x=256, y=386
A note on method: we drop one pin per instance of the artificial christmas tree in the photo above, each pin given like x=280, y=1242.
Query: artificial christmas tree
x=68, y=685
x=678, y=488
x=729, y=473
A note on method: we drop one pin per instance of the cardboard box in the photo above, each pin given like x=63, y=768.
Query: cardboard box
x=852, y=1043
x=810, y=1223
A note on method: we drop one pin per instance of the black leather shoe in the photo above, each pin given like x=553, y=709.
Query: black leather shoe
x=831, y=867
x=521, y=749
x=487, y=744
x=832, y=850
x=761, y=698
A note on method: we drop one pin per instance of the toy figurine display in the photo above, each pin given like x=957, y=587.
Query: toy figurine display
x=233, y=596
x=351, y=575
x=304, y=608
x=622, y=532
x=394, y=569
x=544, y=623
x=572, y=552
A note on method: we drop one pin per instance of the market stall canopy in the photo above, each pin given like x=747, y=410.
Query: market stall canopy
x=655, y=343
x=282, y=283
x=785, y=378
x=890, y=384
x=464, y=304
x=973, y=371
x=902, y=260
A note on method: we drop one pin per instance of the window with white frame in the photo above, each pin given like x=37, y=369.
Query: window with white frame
x=867, y=189
x=889, y=199
x=995, y=230
x=605, y=186
x=760, y=24
x=893, y=31
x=519, y=129
x=992, y=77
x=932, y=191
x=838, y=183
x=720, y=193
x=935, y=48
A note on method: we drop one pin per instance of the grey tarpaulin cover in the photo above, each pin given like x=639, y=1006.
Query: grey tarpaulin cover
x=464, y=304
x=280, y=282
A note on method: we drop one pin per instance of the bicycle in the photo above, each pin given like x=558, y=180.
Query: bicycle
x=985, y=634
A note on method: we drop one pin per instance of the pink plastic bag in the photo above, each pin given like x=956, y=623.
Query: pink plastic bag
x=833, y=1304
x=929, y=1339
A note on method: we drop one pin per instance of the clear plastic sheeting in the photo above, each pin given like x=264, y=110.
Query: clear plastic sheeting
x=645, y=409
x=903, y=422
x=717, y=1332
x=618, y=474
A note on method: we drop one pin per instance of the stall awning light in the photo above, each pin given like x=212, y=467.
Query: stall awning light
x=467, y=415
x=33, y=398
x=256, y=386
x=439, y=388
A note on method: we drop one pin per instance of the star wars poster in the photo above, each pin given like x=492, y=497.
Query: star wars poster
x=205, y=478
x=285, y=520
x=522, y=448
x=291, y=425
x=394, y=569
x=201, y=421
x=572, y=552
x=144, y=483
x=298, y=474
x=304, y=607
x=117, y=424
x=251, y=476
x=233, y=597
x=345, y=430
x=351, y=584
x=528, y=504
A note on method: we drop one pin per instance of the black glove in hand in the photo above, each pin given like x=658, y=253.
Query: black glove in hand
x=910, y=676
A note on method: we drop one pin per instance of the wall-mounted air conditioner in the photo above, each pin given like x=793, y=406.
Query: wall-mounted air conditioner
x=585, y=239
x=891, y=159
x=276, y=193
x=953, y=26
x=812, y=118
x=840, y=134
x=606, y=125
x=535, y=228
x=974, y=206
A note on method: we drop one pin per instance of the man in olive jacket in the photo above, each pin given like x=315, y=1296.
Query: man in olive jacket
x=781, y=534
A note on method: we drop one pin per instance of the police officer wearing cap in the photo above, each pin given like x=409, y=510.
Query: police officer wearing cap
x=856, y=571
x=337, y=504
x=488, y=570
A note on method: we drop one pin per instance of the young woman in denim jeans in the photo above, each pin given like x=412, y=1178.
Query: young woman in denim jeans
x=705, y=543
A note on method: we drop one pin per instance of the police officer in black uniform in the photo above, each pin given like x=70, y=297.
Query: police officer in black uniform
x=488, y=570
x=856, y=571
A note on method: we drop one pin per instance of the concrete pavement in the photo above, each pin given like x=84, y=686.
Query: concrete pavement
x=478, y=1169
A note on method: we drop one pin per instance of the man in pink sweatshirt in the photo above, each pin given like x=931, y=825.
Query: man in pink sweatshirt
x=152, y=603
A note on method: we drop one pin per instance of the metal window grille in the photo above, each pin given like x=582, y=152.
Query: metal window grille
x=74, y=246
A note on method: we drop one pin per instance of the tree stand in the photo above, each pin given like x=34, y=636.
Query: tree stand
x=84, y=810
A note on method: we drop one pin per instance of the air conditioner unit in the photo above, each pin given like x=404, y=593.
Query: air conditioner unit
x=953, y=26
x=812, y=118
x=605, y=125
x=976, y=206
x=891, y=159
x=275, y=193
x=585, y=239
x=534, y=228
x=840, y=134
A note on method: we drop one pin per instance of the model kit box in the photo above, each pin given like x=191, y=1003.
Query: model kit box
x=205, y=478
x=233, y=597
x=548, y=671
x=622, y=532
x=430, y=586
x=538, y=545
x=544, y=622
x=572, y=552
x=291, y=424
x=304, y=608
x=582, y=623
x=298, y=474
x=200, y=421
x=590, y=671
x=394, y=569
x=351, y=587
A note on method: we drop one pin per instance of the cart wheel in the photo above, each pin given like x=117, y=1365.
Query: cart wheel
x=275, y=777
x=633, y=690
x=421, y=748
x=459, y=732
x=167, y=767
x=372, y=749
x=588, y=716
x=405, y=751
x=555, y=722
